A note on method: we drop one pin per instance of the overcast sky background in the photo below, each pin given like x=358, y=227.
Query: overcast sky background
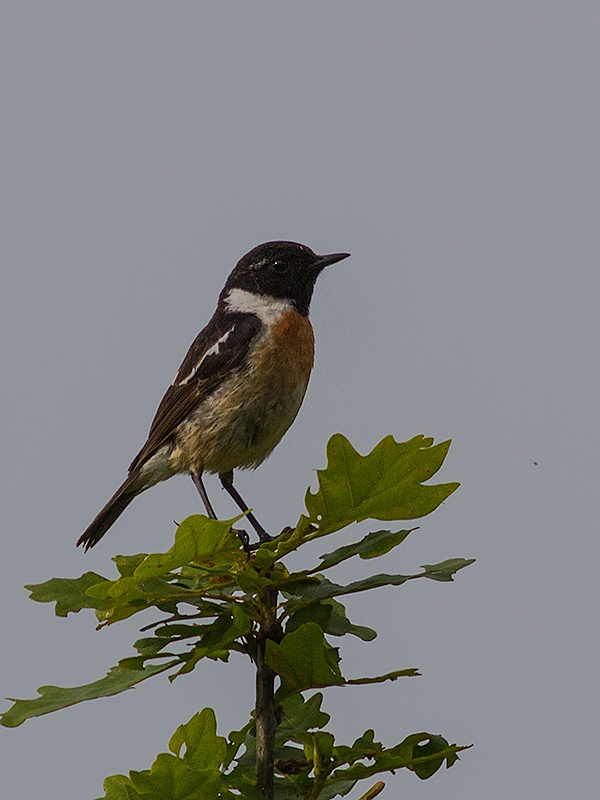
x=452, y=148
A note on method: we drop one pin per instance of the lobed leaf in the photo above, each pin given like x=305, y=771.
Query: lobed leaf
x=372, y=545
x=205, y=562
x=315, y=587
x=219, y=638
x=120, y=599
x=429, y=756
x=168, y=779
x=386, y=484
x=299, y=714
x=53, y=698
x=303, y=660
x=330, y=616
x=69, y=594
x=198, y=539
x=191, y=775
x=203, y=748
x=127, y=565
x=423, y=753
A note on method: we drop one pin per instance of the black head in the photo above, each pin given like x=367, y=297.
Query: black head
x=284, y=270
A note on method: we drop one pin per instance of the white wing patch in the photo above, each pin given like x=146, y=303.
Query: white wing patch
x=212, y=351
x=267, y=309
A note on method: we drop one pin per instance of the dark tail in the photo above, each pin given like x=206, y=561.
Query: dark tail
x=109, y=514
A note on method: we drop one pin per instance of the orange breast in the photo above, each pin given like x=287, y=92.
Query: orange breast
x=286, y=357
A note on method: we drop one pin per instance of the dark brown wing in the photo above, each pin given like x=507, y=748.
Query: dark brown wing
x=215, y=353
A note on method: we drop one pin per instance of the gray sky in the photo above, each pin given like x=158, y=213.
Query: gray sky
x=452, y=148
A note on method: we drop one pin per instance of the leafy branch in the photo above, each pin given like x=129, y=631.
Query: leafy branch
x=213, y=599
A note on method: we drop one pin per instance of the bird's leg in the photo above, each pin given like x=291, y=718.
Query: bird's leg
x=197, y=478
x=227, y=482
x=242, y=535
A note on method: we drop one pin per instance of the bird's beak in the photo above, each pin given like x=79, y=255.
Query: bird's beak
x=332, y=258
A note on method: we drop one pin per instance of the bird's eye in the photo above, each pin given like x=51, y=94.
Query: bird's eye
x=280, y=265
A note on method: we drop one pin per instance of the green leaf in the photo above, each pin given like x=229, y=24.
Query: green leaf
x=151, y=648
x=205, y=560
x=301, y=715
x=191, y=775
x=331, y=617
x=372, y=545
x=365, y=747
x=445, y=569
x=434, y=752
x=198, y=539
x=318, y=588
x=120, y=599
x=203, y=748
x=335, y=790
x=69, y=594
x=339, y=624
x=386, y=484
x=237, y=738
x=318, y=748
x=423, y=753
x=219, y=637
x=303, y=660
x=319, y=613
x=53, y=698
x=292, y=538
x=170, y=778
x=127, y=565
x=389, y=676
x=119, y=787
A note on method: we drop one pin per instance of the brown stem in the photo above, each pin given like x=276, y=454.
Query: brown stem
x=266, y=719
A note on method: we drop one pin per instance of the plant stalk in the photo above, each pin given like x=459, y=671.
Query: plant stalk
x=266, y=718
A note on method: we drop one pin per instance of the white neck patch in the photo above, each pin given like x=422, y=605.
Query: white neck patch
x=267, y=309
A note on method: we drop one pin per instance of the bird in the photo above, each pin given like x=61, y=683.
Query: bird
x=240, y=386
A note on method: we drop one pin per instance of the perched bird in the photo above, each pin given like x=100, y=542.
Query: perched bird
x=240, y=386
